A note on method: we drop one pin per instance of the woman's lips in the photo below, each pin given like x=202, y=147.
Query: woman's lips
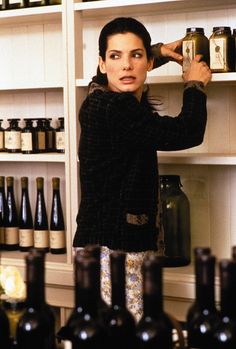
x=127, y=79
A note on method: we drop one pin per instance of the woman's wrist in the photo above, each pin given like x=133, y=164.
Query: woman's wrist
x=158, y=58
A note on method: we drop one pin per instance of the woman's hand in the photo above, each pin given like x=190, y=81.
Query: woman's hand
x=173, y=51
x=198, y=71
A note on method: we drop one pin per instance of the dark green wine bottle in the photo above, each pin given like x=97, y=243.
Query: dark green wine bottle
x=57, y=226
x=26, y=227
x=3, y=212
x=11, y=220
x=41, y=232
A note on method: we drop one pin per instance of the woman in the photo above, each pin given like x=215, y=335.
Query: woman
x=120, y=134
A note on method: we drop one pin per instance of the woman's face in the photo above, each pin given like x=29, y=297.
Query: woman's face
x=126, y=63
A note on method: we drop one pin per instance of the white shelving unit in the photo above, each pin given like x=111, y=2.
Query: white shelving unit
x=49, y=56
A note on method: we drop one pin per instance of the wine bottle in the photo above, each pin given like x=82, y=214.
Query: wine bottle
x=202, y=321
x=154, y=329
x=57, y=226
x=11, y=220
x=37, y=324
x=26, y=227
x=225, y=332
x=5, y=342
x=3, y=208
x=60, y=137
x=28, y=138
x=41, y=232
x=119, y=322
x=85, y=329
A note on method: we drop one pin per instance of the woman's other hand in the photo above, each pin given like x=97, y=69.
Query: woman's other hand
x=198, y=71
x=173, y=51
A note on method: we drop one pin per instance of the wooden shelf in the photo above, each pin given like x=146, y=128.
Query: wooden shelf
x=196, y=158
x=44, y=157
x=30, y=15
x=31, y=85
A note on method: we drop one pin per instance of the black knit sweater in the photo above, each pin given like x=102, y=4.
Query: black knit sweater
x=118, y=165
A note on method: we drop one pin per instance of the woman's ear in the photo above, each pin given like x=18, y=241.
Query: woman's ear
x=150, y=64
x=102, y=65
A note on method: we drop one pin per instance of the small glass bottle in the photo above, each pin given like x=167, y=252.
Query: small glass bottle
x=222, y=50
x=13, y=137
x=60, y=137
x=50, y=136
x=40, y=137
x=175, y=220
x=195, y=42
x=2, y=148
x=28, y=138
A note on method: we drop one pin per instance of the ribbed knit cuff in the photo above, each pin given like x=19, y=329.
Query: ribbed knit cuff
x=158, y=58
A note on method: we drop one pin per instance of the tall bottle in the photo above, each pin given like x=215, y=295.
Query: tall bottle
x=202, y=322
x=3, y=210
x=41, y=232
x=26, y=227
x=57, y=226
x=225, y=333
x=154, y=330
x=5, y=342
x=37, y=325
x=11, y=220
x=119, y=322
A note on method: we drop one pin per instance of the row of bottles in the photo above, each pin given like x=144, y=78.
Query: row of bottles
x=15, y=4
x=219, y=51
x=35, y=136
x=18, y=231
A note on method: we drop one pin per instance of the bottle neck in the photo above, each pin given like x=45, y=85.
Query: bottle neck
x=205, y=281
x=227, y=288
x=35, y=282
x=117, y=263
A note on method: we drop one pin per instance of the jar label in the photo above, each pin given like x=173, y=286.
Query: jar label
x=1, y=140
x=60, y=140
x=57, y=239
x=41, y=238
x=2, y=235
x=26, y=237
x=188, y=53
x=218, y=55
x=12, y=139
x=11, y=235
x=26, y=141
x=41, y=140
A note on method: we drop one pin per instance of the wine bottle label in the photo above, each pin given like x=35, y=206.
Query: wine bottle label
x=57, y=239
x=60, y=140
x=188, y=53
x=2, y=233
x=218, y=53
x=26, y=237
x=41, y=238
x=11, y=235
x=26, y=142
x=12, y=139
x=41, y=140
x=67, y=344
x=1, y=132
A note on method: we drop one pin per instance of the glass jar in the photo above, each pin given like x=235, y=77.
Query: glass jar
x=222, y=50
x=175, y=222
x=60, y=136
x=12, y=137
x=195, y=42
x=28, y=138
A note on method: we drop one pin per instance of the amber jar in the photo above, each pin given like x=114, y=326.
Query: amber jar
x=222, y=50
x=195, y=42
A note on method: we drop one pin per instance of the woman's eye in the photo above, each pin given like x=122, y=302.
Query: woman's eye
x=137, y=55
x=114, y=56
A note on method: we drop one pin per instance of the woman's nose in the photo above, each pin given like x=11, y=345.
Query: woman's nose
x=127, y=64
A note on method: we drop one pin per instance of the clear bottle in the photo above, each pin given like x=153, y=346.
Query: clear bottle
x=222, y=50
x=202, y=316
x=26, y=227
x=119, y=322
x=60, y=137
x=40, y=137
x=154, y=329
x=41, y=232
x=57, y=227
x=36, y=327
x=28, y=138
x=3, y=212
x=225, y=332
x=2, y=146
x=195, y=42
x=175, y=220
x=11, y=219
x=13, y=137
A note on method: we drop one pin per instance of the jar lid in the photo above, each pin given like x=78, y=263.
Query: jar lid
x=195, y=30
x=222, y=29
